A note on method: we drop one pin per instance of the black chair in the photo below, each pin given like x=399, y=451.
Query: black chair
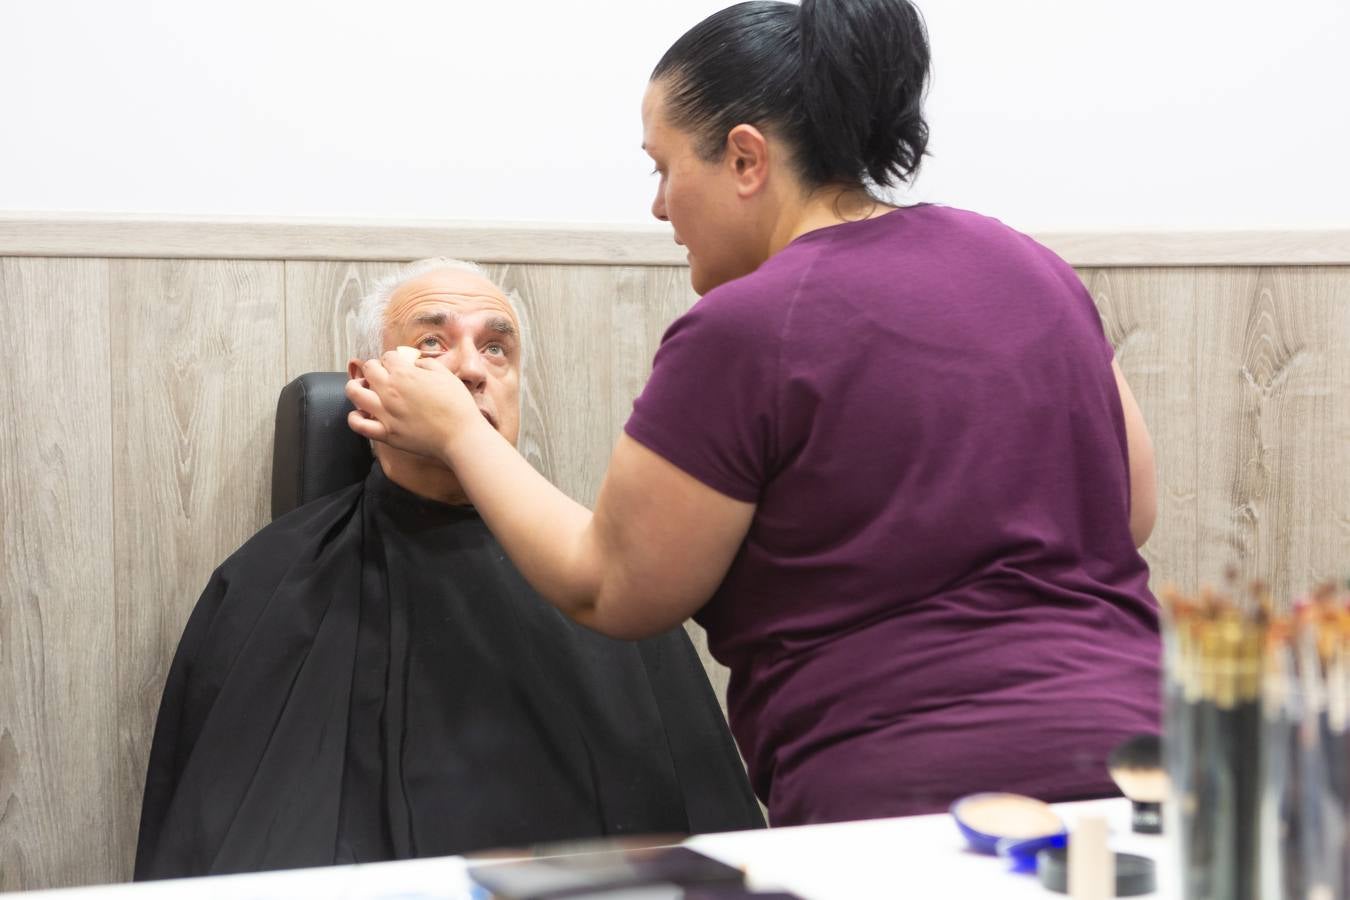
x=315, y=452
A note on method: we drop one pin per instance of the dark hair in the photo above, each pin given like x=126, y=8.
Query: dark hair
x=842, y=81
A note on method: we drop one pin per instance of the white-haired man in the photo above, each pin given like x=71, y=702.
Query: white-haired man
x=370, y=678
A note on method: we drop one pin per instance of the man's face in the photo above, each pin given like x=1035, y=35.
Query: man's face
x=465, y=319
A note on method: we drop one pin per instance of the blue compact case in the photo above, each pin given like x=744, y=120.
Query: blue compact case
x=1022, y=824
x=1022, y=852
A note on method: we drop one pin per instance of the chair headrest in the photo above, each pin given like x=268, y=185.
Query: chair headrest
x=315, y=453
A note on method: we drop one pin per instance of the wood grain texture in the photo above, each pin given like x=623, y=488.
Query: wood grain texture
x=1150, y=318
x=321, y=302
x=645, y=302
x=1243, y=379
x=192, y=237
x=58, y=721
x=198, y=360
x=1144, y=249
x=1274, y=485
x=116, y=508
x=531, y=243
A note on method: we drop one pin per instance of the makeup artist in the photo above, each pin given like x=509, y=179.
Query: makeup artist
x=887, y=460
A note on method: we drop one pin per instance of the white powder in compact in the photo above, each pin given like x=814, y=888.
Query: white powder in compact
x=1011, y=815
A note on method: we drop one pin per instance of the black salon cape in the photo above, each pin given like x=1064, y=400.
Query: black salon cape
x=370, y=678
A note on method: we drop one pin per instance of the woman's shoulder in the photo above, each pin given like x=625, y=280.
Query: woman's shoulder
x=926, y=229
x=751, y=307
x=912, y=250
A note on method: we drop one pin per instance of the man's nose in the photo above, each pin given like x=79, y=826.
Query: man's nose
x=468, y=364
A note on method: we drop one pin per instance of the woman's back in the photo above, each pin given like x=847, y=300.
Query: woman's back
x=939, y=593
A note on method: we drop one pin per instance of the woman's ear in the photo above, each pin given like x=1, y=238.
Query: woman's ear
x=747, y=154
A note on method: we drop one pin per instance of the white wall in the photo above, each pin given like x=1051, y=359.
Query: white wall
x=1052, y=114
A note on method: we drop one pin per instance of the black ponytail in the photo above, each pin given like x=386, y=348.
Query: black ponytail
x=842, y=81
x=864, y=66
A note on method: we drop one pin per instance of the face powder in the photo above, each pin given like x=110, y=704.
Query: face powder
x=987, y=818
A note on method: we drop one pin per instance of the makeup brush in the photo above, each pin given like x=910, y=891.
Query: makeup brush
x=1136, y=768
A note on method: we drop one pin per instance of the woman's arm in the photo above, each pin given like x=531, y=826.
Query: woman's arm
x=652, y=553
x=1143, y=475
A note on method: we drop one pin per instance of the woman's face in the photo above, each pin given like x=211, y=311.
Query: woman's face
x=699, y=199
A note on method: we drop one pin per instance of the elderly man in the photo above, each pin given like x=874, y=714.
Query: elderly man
x=370, y=678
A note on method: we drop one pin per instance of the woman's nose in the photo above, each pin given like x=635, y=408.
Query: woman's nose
x=659, y=205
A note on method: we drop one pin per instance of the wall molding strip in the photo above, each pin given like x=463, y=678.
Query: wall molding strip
x=183, y=237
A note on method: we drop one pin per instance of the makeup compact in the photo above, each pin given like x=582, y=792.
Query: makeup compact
x=1132, y=876
x=1021, y=852
x=987, y=819
x=1136, y=768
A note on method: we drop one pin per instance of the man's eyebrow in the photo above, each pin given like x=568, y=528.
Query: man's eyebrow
x=503, y=326
x=433, y=318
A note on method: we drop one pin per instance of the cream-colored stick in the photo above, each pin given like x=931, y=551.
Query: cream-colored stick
x=1092, y=865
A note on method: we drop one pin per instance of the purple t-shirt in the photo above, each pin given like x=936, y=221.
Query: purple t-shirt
x=938, y=593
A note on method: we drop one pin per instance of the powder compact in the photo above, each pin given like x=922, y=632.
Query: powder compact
x=1016, y=820
x=1134, y=875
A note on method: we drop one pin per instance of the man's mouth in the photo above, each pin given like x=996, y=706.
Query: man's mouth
x=491, y=420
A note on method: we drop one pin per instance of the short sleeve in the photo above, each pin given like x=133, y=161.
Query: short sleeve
x=1085, y=311
x=710, y=405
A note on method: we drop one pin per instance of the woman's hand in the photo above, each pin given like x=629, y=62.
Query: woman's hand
x=414, y=405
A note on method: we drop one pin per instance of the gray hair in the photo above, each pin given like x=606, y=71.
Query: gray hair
x=370, y=312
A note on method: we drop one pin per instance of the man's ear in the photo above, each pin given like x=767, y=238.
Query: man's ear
x=747, y=155
x=356, y=368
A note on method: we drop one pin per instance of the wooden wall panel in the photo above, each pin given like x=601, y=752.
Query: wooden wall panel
x=321, y=301
x=646, y=301
x=58, y=722
x=115, y=510
x=1150, y=317
x=197, y=361
x=565, y=420
x=1274, y=481
x=111, y=235
x=1335, y=554
x=1243, y=379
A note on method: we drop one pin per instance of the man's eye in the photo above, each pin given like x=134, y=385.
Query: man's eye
x=431, y=343
x=495, y=350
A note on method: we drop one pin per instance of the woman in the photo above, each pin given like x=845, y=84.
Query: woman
x=887, y=460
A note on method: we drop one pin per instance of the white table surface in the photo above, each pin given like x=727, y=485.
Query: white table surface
x=916, y=857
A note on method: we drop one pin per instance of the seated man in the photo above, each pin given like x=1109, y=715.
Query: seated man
x=370, y=678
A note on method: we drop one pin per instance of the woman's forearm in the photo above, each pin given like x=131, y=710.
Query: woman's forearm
x=546, y=534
